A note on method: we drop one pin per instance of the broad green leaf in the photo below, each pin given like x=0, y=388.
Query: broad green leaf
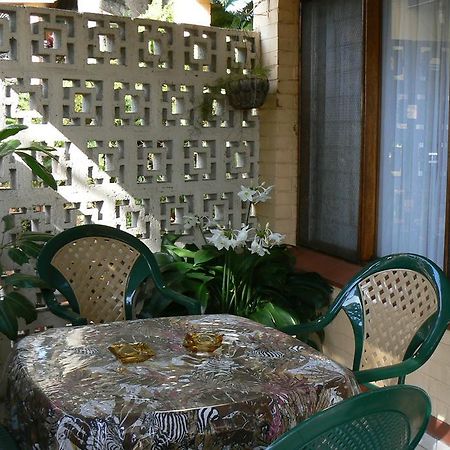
x=18, y=256
x=188, y=286
x=30, y=248
x=199, y=276
x=8, y=147
x=8, y=321
x=180, y=266
x=184, y=253
x=8, y=221
x=169, y=238
x=42, y=149
x=191, y=246
x=11, y=130
x=162, y=259
x=202, y=294
x=172, y=277
x=22, y=280
x=21, y=306
x=273, y=315
x=217, y=269
x=205, y=255
x=38, y=169
x=34, y=236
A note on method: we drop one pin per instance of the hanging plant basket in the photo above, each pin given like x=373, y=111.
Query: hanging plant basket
x=247, y=92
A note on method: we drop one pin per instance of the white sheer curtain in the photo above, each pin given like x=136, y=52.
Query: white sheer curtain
x=414, y=127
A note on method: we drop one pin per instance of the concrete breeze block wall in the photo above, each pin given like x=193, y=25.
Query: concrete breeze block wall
x=121, y=100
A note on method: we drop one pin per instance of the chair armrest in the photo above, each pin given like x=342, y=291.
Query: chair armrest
x=61, y=311
x=192, y=305
x=309, y=327
x=384, y=373
x=302, y=328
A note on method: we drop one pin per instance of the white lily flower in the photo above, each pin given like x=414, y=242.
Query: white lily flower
x=189, y=221
x=210, y=223
x=246, y=194
x=242, y=236
x=257, y=247
x=275, y=239
x=219, y=239
x=262, y=233
x=263, y=194
x=232, y=243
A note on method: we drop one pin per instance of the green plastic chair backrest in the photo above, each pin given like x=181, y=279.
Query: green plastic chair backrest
x=391, y=418
x=399, y=308
x=98, y=270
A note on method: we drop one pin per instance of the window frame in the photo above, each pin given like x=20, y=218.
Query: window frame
x=370, y=145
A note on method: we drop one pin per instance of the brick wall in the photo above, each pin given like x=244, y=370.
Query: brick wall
x=279, y=115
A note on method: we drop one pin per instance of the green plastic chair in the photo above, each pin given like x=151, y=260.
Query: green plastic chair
x=99, y=270
x=399, y=308
x=6, y=440
x=391, y=418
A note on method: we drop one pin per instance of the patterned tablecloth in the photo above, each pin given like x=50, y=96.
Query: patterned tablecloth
x=68, y=391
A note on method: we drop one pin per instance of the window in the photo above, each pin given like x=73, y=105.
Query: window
x=331, y=124
x=374, y=127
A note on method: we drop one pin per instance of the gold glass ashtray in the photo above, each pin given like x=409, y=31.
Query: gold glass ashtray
x=202, y=341
x=131, y=352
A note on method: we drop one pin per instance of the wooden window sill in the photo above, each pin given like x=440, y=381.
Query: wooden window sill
x=336, y=271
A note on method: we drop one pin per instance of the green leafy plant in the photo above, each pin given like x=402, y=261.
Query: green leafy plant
x=13, y=146
x=23, y=247
x=225, y=14
x=253, y=82
x=247, y=272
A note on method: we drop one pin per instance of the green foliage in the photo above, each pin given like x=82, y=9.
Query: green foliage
x=160, y=10
x=222, y=84
x=265, y=288
x=13, y=304
x=241, y=19
x=26, y=245
x=12, y=146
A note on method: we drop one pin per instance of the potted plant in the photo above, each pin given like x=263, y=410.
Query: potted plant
x=246, y=272
x=247, y=89
x=23, y=247
x=244, y=90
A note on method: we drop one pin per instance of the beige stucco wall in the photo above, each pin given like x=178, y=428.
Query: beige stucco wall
x=277, y=20
x=192, y=11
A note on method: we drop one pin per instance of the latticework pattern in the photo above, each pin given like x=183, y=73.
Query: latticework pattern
x=98, y=270
x=364, y=433
x=121, y=100
x=396, y=303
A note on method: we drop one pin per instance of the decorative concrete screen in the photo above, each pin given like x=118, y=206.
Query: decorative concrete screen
x=121, y=100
